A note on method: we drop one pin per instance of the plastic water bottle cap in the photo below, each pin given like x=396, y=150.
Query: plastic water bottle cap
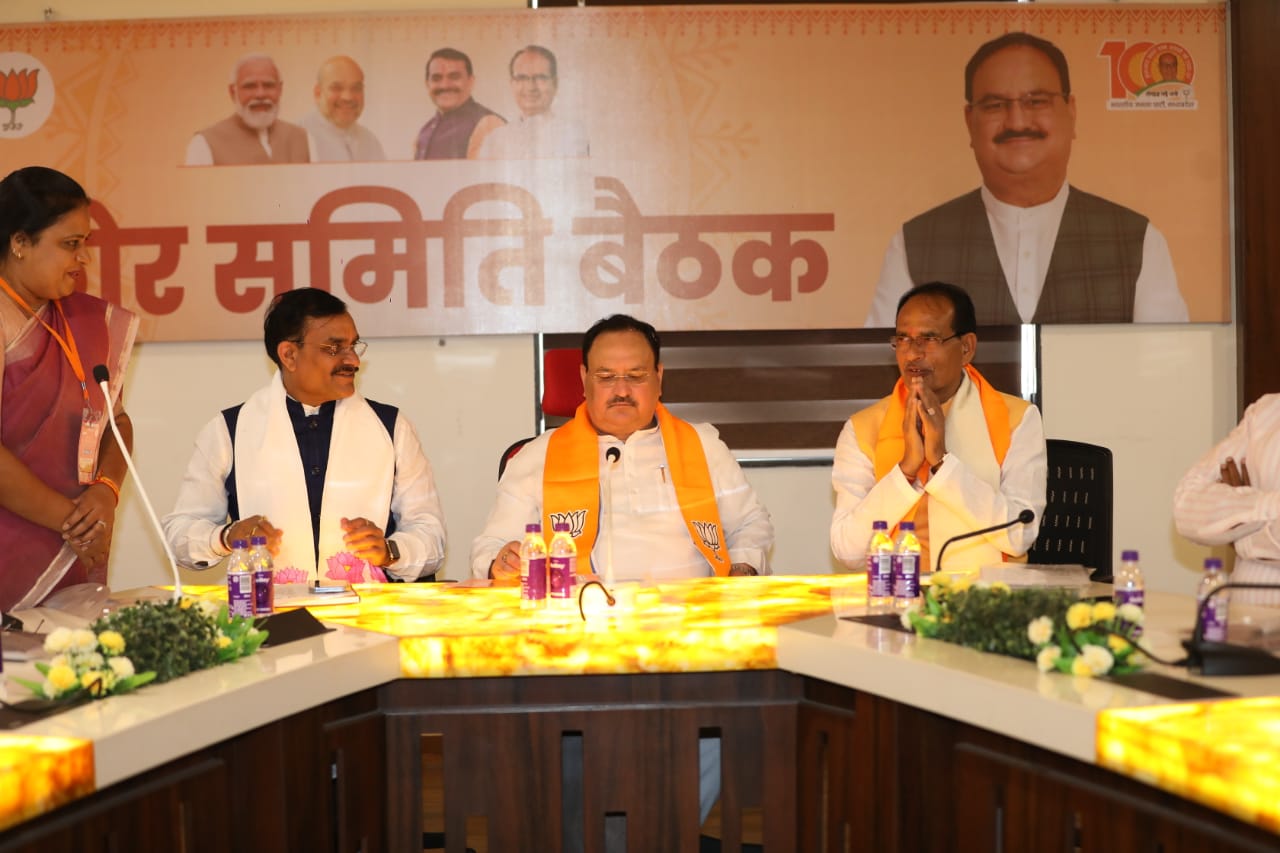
x=237, y=544
x=1128, y=556
x=533, y=528
x=879, y=525
x=1212, y=563
x=906, y=525
x=258, y=540
x=561, y=525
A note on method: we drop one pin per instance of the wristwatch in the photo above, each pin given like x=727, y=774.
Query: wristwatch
x=393, y=552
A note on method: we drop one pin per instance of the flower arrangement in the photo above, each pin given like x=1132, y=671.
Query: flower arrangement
x=1048, y=626
x=85, y=664
x=164, y=640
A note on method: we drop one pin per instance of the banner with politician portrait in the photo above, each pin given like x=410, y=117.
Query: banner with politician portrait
x=764, y=167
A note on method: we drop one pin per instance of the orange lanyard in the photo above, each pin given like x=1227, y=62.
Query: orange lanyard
x=68, y=344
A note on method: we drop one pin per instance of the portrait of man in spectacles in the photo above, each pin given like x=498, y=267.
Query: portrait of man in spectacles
x=540, y=131
x=1028, y=246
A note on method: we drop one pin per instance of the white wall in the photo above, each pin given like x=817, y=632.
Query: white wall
x=1158, y=396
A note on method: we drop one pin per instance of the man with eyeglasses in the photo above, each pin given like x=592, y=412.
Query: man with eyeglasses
x=460, y=124
x=539, y=132
x=1026, y=245
x=681, y=505
x=338, y=484
x=945, y=449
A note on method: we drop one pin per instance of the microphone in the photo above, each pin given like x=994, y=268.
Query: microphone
x=101, y=376
x=1211, y=658
x=612, y=455
x=1025, y=517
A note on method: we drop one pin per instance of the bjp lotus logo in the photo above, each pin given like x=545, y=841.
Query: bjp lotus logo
x=17, y=90
x=27, y=92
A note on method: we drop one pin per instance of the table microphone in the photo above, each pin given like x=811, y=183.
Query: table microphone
x=101, y=376
x=1211, y=658
x=612, y=455
x=1025, y=517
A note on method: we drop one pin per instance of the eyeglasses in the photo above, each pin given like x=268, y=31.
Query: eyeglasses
x=334, y=350
x=631, y=380
x=1032, y=102
x=928, y=343
x=522, y=79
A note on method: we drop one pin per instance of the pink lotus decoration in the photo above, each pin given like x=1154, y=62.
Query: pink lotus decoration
x=290, y=575
x=17, y=90
x=345, y=566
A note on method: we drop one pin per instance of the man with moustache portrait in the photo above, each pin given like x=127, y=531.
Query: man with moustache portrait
x=254, y=133
x=460, y=124
x=337, y=484
x=1027, y=246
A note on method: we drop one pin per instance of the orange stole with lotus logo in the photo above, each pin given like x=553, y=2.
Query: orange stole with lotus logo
x=571, y=486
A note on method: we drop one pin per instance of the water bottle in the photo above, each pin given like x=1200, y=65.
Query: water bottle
x=906, y=566
x=240, y=580
x=264, y=589
x=1128, y=585
x=561, y=565
x=533, y=569
x=1215, y=612
x=879, y=567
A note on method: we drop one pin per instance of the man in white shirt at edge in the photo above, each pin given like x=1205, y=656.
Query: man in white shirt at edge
x=538, y=132
x=1047, y=252
x=254, y=134
x=945, y=449
x=1231, y=496
x=334, y=125
x=312, y=465
x=653, y=529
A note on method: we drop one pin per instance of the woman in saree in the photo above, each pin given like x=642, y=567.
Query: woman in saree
x=60, y=467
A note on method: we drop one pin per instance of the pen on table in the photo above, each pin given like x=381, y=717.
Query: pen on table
x=663, y=470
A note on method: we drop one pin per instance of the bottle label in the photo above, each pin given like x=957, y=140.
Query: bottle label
x=264, y=593
x=879, y=575
x=533, y=581
x=1136, y=597
x=240, y=593
x=906, y=576
x=1215, y=620
x=561, y=572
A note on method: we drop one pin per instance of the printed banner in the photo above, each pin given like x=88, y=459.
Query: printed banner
x=703, y=168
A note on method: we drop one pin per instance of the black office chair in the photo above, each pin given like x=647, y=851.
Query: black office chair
x=1077, y=522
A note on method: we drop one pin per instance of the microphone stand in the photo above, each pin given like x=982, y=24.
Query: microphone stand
x=1211, y=658
x=101, y=376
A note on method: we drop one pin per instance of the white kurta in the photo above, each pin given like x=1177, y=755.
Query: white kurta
x=1210, y=512
x=650, y=539
x=965, y=494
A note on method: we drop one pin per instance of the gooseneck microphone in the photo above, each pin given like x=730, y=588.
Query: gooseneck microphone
x=612, y=455
x=1025, y=517
x=101, y=376
x=1213, y=658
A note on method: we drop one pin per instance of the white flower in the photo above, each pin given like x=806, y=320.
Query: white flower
x=1040, y=631
x=1098, y=658
x=58, y=641
x=906, y=617
x=1047, y=658
x=1130, y=613
x=83, y=640
x=122, y=667
x=210, y=608
x=93, y=660
x=58, y=660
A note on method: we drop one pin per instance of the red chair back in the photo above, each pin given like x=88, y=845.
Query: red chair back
x=561, y=382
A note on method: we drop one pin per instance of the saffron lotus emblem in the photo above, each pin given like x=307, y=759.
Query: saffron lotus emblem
x=17, y=90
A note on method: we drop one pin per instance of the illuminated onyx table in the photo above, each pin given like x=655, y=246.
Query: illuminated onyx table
x=445, y=714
